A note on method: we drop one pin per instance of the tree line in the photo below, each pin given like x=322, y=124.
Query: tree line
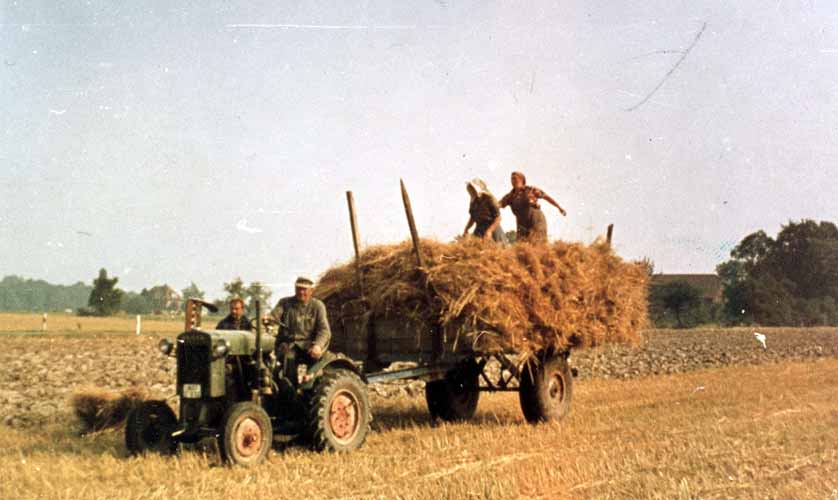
x=789, y=280
x=28, y=295
x=105, y=298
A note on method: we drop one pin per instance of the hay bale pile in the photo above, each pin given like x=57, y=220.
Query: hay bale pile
x=99, y=409
x=531, y=297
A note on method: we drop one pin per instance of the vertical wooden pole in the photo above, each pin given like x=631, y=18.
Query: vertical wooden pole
x=438, y=336
x=356, y=243
x=44, y=323
x=411, y=222
x=608, y=235
x=372, y=346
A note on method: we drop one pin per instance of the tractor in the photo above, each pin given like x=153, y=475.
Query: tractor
x=232, y=390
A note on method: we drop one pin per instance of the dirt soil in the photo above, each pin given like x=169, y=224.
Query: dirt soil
x=676, y=351
x=39, y=373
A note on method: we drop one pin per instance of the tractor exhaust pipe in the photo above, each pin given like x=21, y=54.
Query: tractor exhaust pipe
x=257, y=391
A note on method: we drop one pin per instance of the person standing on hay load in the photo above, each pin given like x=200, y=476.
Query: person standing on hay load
x=304, y=332
x=483, y=212
x=236, y=320
x=523, y=200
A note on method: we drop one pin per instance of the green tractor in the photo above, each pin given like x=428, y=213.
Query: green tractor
x=232, y=390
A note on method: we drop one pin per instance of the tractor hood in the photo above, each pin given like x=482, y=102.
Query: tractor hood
x=239, y=342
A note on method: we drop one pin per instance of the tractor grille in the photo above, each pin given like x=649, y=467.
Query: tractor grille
x=193, y=360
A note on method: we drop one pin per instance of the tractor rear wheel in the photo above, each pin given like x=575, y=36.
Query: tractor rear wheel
x=546, y=389
x=455, y=397
x=246, y=434
x=149, y=427
x=338, y=412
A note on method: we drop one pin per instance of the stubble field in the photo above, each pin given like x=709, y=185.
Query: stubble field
x=752, y=423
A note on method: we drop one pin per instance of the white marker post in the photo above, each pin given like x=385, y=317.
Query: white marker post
x=139, y=324
x=44, y=323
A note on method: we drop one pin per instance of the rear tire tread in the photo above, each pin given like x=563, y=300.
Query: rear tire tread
x=316, y=431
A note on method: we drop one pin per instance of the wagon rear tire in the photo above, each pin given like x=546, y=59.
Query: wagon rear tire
x=546, y=389
x=149, y=427
x=455, y=397
x=246, y=436
x=338, y=412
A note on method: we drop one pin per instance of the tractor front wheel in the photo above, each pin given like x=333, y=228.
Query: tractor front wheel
x=247, y=434
x=338, y=413
x=149, y=427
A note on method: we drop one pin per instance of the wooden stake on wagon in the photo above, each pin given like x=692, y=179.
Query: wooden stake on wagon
x=414, y=235
x=609, y=233
x=438, y=338
x=372, y=345
x=353, y=222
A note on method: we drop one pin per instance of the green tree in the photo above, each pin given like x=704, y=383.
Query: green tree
x=792, y=279
x=192, y=292
x=162, y=298
x=105, y=297
x=769, y=302
x=257, y=291
x=136, y=303
x=680, y=299
x=803, y=255
x=235, y=290
x=735, y=308
x=19, y=294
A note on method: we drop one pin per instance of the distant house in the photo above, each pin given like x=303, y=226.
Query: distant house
x=709, y=284
x=163, y=298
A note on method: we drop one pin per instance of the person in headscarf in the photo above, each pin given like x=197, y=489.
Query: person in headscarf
x=483, y=212
x=523, y=200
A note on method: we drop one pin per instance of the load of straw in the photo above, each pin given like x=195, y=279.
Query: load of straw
x=98, y=409
x=530, y=296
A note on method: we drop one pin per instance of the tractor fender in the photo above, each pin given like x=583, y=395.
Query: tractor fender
x=330, y=361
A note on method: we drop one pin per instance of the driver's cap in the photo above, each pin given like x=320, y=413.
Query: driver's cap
x=303, y=283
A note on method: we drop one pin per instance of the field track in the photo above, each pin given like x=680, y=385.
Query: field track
x=764, y=426
x=739, y=432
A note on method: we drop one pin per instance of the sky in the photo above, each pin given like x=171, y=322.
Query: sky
x=171, y=142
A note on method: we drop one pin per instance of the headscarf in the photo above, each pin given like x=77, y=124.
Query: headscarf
x=479, y=187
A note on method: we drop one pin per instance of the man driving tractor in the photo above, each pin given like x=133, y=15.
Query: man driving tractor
x=304, y=332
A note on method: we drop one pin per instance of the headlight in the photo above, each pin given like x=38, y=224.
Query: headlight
x=221, y=349
x=165, y=346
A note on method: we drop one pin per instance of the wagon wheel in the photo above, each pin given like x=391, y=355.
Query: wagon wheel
x=246, y=435
x=149, y=427
x=546, y=389
x=455, y=397
x=338, y=412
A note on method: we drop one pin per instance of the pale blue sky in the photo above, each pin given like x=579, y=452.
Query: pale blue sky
x=168, y=130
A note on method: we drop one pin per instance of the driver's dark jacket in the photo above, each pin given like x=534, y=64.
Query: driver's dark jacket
x=302, y=324
x=230, y=323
